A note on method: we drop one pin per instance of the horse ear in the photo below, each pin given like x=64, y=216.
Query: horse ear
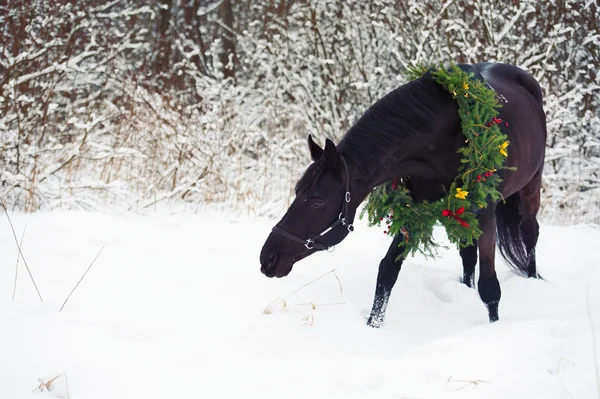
x=332, y=158
x=316, y=152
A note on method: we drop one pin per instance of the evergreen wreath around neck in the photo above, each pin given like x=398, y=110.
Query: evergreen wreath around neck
x=483, y=154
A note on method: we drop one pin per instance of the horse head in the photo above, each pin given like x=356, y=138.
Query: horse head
x=320, y=216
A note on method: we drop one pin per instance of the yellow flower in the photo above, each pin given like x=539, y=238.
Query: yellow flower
x=503, y=148
x=466, y=86
x=466, y=94
x=461, y=194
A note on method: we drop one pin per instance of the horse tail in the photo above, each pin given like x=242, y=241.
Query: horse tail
x=509, y=237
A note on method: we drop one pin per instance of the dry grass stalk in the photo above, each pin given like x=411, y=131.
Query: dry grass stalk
x=271, y=307
x=555, y=373
x=82, y=277
x=19, y=248
x=309, y=320
x=467, y=383
x=48, y=384
x=594, y=353
x=17, y=267
x=315, y=305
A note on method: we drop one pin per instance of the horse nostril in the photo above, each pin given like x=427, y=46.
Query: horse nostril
x=272, y=261
x=268, y=265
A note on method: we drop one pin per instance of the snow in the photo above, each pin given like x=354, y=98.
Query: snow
x=173, y=308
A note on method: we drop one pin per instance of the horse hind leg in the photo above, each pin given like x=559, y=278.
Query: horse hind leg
x=530, y=229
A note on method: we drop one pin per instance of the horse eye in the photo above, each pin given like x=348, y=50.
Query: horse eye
x=317, y=203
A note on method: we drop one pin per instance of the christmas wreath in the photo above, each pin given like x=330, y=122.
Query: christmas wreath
x=476, y=184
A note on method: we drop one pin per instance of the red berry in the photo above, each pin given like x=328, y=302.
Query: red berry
x=490, y=124
x=380, y=219
x=385, y=232
x=507, y=124
x=478, y=177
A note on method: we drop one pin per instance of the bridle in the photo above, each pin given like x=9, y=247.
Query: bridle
x=311, y=243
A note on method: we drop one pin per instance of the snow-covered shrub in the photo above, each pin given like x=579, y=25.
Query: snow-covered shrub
x=170, y=101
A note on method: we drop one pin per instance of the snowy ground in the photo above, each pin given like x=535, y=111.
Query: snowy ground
x=173, y=308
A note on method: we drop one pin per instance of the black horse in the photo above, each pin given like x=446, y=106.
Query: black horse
x=414, y=132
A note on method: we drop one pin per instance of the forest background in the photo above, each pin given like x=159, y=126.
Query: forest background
x=138, y=104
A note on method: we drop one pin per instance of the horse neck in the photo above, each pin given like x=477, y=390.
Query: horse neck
x=407, y=161
x=428, y=156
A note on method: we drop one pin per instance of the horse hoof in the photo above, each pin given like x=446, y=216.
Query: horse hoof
x=493, y=311
x=375, y=322
x=468, y=281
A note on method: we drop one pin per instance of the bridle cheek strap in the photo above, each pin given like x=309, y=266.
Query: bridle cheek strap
x=311, y=242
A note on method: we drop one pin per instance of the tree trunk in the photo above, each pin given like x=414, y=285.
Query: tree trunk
x=164, y=46
x=227, y=56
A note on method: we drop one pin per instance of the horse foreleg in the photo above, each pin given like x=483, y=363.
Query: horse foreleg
x=386, y=278
x=488, y=285
x=469, y=259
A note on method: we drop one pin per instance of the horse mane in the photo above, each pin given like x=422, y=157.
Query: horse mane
x=407, y=112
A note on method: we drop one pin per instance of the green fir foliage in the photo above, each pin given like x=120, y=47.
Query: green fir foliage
x=474, y=187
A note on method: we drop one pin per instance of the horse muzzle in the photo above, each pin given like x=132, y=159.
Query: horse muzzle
x=274, y=263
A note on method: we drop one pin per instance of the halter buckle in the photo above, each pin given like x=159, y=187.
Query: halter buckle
x=309, y=244
x=348, y=197
x=350, y=228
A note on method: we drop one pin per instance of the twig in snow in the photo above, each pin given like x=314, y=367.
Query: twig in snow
x=269, y=309
x=17, y=267
x=82, y=277
x=589, y=311
x=19, y=247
